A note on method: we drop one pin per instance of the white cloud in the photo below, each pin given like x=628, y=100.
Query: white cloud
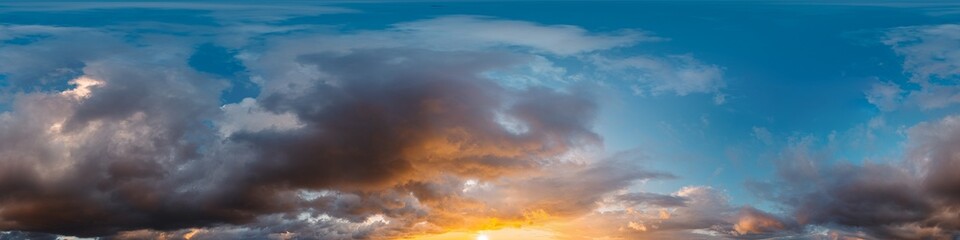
x=932, y=58
x=83, y=87
x=556, y=39
x=248, y=116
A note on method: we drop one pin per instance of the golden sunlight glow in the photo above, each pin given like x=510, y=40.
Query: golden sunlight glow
x=505, y=233
x=190, y=234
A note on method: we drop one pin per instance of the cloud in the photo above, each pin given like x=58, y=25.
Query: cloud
x=227, y=13
x=934, y=151
x=753, y=221
x=248, y=116
x=763, y=135
x=652, y=199
x=12, y=32
x=692, y=212
x=107, y=151
x=55, y=60
x=647, y=74
x=373, y=142
x=911, y=199
x=929, y=51
x=931, y=59
x=675, y=74
x=555, y=39
x=367, y=134
x=886, y=95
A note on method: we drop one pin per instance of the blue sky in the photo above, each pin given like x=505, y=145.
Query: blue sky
x=775, y=112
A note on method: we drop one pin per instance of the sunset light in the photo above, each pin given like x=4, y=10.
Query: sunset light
x=479, y=120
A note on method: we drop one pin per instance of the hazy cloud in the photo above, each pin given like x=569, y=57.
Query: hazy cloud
x=382, y=139
x=555, y=39
x=931, y=59
x=675, y=74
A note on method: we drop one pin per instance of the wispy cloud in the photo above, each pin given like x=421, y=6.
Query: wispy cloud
x=931, y=58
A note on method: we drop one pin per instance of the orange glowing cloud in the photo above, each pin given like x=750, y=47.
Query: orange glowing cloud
x=499, y=234
x=754, y=221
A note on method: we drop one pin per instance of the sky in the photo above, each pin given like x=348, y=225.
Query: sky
x=483, y=120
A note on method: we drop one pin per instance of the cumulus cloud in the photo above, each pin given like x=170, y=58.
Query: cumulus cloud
x=151, y=140
x=372, y=142
x=912, y=199
x=753, y=221
x=249, y=116
x=107, y=150
x=367, y=134
x=692, y=212
x=646, y=74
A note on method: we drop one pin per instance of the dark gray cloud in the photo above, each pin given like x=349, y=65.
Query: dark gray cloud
x=106, y=158
x=912, y=199
x=360, y=135
x=385, y=134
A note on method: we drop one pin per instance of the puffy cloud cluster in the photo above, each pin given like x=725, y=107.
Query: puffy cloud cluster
x=911, y=199
x=691, y=212
x=753, y=221
x=117, y=148
x=363, y=135
x=931, y=59
x=130, y=146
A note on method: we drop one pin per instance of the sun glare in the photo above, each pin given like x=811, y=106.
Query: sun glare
x=482, y=237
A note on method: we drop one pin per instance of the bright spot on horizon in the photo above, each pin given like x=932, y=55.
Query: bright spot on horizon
x=482, y=237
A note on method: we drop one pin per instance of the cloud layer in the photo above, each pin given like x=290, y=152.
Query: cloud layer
x=425, y=127
x=930, y=58
x=372, y=134
x=910, y=199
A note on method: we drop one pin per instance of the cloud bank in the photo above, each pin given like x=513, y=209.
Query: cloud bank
x=370, y=134
x=914, y=198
